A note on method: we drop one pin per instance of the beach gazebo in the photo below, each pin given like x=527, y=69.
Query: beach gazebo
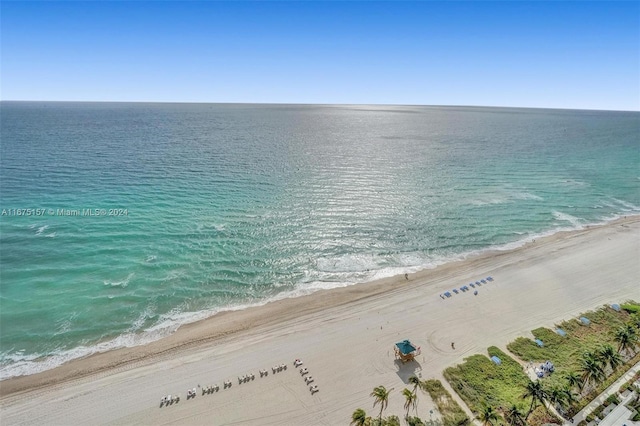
x=405, y=351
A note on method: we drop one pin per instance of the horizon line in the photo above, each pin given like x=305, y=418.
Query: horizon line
x=319, y=104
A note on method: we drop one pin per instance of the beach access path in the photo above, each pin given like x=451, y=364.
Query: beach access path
x=345, y=338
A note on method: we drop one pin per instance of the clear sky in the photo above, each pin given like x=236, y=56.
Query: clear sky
x=539, y=54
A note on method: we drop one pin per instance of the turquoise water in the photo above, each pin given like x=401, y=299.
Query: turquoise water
x=227, y=206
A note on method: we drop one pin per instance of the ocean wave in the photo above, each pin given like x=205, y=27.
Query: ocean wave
x=124, y=283
x=575, y=221
x=27, y=364
x=505, y=195
x=41, y=229
x=627, y=207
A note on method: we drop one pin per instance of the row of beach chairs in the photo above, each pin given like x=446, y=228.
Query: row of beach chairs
x=465, y=288
x=308, y=379
x=206, y=390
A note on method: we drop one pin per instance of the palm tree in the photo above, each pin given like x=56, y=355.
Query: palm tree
x=626, y=337
x=513, y=416
x=534, y=391
x=359, y=418
x=591, y=369
x=569, y=396
x=411, y=400
x=573, y=380
x=487, y=415
x=415, y=382
x=608, y=356
x=381, y=395
x=557, y=397
x=634, y=320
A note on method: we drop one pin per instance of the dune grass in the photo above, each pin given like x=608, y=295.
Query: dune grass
x=452, y=414
x=565, y=352
x=481, y=382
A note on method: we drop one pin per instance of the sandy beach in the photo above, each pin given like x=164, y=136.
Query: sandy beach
x=345, y=338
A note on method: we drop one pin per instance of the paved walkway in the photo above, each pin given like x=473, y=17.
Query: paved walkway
x=582, y=414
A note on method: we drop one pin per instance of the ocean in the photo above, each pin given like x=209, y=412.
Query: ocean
x=122, y=221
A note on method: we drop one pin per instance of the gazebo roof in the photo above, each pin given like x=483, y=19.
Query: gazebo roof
x=405, y=347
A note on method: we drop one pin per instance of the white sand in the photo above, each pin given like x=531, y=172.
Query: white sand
x=345, y=338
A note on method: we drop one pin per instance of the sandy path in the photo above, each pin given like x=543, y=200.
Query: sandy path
x=344, y=336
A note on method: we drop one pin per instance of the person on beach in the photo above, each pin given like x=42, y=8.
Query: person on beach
x=406, y=277
x=453, y=346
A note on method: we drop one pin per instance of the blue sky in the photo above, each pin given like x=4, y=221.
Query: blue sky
x=537, y=54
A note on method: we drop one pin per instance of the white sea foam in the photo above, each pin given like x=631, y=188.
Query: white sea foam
x=628, y=207
x=503, y=196
x=525, y=196
x=122, y=283
x=41, y=229
x=576, y=222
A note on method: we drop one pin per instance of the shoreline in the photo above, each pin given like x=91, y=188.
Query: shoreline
x=345, y=337
x=227, y=324
x=415, y=271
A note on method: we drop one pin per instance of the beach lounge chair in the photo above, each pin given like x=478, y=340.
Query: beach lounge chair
x=308, y=379
x=447, y=294
x=489, y=278
x=297, y=363
x=304, y=371
x=455, y=290
x=483, y=281
x=313, y=389
x=472, y=286
x=478, y=283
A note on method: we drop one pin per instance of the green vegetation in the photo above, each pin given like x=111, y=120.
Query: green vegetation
x=628, y=385
x=580, y=404
x=586, y=350
x=631, y=307
x=587, y=360
x=452, y=413
x=481, y=383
